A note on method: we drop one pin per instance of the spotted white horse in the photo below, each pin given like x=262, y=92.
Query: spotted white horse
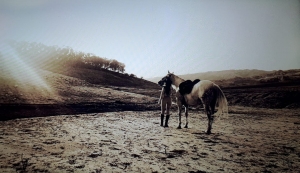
x=205, y=92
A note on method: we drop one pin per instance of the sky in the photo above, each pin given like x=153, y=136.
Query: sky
x=153, y=36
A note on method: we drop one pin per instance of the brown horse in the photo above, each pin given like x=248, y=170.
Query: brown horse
x=205, y=92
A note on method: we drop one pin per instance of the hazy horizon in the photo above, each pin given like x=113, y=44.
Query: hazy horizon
x=152, y=37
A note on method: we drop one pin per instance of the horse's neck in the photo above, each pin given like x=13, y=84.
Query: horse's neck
x=177, y=81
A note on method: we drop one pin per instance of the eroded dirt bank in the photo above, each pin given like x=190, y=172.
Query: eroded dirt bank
x=14, y=111
x=249, y=140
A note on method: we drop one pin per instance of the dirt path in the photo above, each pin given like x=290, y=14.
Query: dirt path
x=249, y=140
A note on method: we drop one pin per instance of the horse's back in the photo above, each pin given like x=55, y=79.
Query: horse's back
x=201, y=87
x=201, y=91
x=198, y=91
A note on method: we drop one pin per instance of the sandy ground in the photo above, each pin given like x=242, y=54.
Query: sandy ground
x=249, y=140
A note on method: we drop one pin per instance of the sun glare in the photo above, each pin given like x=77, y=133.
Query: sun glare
x=15, y=68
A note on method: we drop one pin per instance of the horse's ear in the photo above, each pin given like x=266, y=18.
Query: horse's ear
x=168, y=71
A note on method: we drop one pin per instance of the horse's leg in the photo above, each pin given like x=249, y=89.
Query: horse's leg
x=210, y=120
x=168, y=104
x=213, y=102
x=210, y=115
x=163, y=108
x=179, y=99
x=212, y=108
x=186, y=117
x=179, y=115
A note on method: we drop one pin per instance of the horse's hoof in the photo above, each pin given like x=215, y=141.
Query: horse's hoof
x=208, y=132
x=179, y=127
x=166, y=126
x=186, y=126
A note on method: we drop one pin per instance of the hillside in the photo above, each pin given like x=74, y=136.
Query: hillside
x=69, y=77
x=34, y=73
x=248, y=78
x=106, y=77
x=71, y=91
x=226, y=74
x=218, y=75
x=231, y=74
x=41, y=80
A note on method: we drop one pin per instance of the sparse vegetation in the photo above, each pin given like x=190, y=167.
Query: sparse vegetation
x=56, y=58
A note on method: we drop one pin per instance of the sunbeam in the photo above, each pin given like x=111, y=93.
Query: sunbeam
x=26, y=78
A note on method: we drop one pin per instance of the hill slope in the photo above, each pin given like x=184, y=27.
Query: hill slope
x=72, y=91
x=219, y=75
x=235, y=78
x=105, y=77
x=71, y=85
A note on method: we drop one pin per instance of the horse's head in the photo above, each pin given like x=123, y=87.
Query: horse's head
x=167, y=80
x=172, y=79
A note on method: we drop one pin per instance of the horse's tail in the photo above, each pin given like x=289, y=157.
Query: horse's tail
x=221, y=101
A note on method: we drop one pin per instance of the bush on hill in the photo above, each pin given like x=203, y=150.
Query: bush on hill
x=54, y=57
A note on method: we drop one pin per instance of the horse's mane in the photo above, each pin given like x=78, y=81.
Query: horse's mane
x=168, y=86
x=176, y=80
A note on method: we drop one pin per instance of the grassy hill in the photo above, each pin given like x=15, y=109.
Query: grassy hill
x=237, y=78
x=40, y=80
x=105, y=77
x=59, y=86
x=72, y=91
x=218, y=75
